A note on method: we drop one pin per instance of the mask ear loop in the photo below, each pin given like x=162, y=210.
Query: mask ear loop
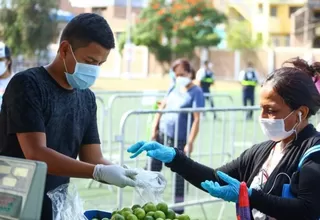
x=295, y=130
x=73, y=54
x=274, y=183
x=65, y=66
x=64, y=61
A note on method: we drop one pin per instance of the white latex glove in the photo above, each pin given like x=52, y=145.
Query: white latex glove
x=114, y=175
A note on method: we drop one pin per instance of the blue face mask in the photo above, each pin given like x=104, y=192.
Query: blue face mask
x=84, y=75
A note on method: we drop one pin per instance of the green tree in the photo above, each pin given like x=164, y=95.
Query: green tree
x=28, y=26
x=239, y=36
x=175, y=29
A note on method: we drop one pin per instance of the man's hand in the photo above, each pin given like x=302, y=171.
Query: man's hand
x=115, y=175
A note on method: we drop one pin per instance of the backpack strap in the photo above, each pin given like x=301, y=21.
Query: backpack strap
x=307, y=154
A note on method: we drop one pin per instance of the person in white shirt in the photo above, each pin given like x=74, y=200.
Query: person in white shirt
x=249, y=80
x=205, y=79
x=5, y=68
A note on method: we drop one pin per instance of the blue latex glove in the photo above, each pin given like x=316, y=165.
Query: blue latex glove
x=229, y=193
x=154, y=150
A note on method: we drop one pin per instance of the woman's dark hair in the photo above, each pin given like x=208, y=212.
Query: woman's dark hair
x=185, y=64
x=295, y=84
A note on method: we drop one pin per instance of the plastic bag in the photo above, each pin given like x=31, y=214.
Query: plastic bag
x=66, y=203
x=150, y=186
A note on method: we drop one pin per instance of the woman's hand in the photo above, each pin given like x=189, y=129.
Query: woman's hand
x=229, y=192
x=154, y=150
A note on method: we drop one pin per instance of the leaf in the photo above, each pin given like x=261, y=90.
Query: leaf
x=28, y=26
x=186, y=24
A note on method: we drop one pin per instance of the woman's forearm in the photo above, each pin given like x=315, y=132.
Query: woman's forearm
x=194, y=130
x=195, y=173
x=155, y=124
x=281, y=208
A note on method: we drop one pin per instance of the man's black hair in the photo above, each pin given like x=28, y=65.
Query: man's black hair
x=86, y=28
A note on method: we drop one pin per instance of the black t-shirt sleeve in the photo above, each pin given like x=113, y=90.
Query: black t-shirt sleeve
x=23, y=105
x=91, y=135
x=305, y=206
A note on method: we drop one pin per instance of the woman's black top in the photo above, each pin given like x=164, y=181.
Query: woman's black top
x=305, y=184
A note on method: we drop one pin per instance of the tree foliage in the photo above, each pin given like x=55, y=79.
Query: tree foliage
x=176, y=28
x=27, y=26
x=239, y=36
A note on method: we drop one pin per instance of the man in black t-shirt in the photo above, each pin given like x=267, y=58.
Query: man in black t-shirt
x=49, y=113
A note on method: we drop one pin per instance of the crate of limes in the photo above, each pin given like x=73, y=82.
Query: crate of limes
x=149, y=211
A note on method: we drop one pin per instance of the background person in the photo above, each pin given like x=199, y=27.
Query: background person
x=5, y=68
x=49, y=113
x=205, y=79
x=249, y=80
x=184, y=94
x=288, y=99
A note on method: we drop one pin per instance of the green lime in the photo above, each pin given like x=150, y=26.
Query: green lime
x=170, y=214
x=148, y=218
x=117, y=217
x=131, y=217
x=125, y=214
x=135, y=206
x=150, y=214
x=140, y=213
x=183, y=217
x=126, y=210
x=149, y=207
x=159, y=214
x=162, y=207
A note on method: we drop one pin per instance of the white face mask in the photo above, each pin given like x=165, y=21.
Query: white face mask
x=275, y=130
x=182, y=81
x=3, y=67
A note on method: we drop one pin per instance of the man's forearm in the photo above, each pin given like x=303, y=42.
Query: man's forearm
x=61, y=165
x=103, y=161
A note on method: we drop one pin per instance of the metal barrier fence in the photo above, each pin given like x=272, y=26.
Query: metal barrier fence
x=218, y=141
x=113, y=104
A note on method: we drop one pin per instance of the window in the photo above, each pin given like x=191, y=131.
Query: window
x=287, y=38
x=275, y=41
x=316, y=14
x=293, y=10
x=260, y=8
x=98, y=11
x=273, y=11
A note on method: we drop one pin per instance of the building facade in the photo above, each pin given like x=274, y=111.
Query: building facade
x=269, y=19
x=306, y=26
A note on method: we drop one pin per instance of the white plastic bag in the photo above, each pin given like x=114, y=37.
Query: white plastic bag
x=150, y=186
x=66, y=203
